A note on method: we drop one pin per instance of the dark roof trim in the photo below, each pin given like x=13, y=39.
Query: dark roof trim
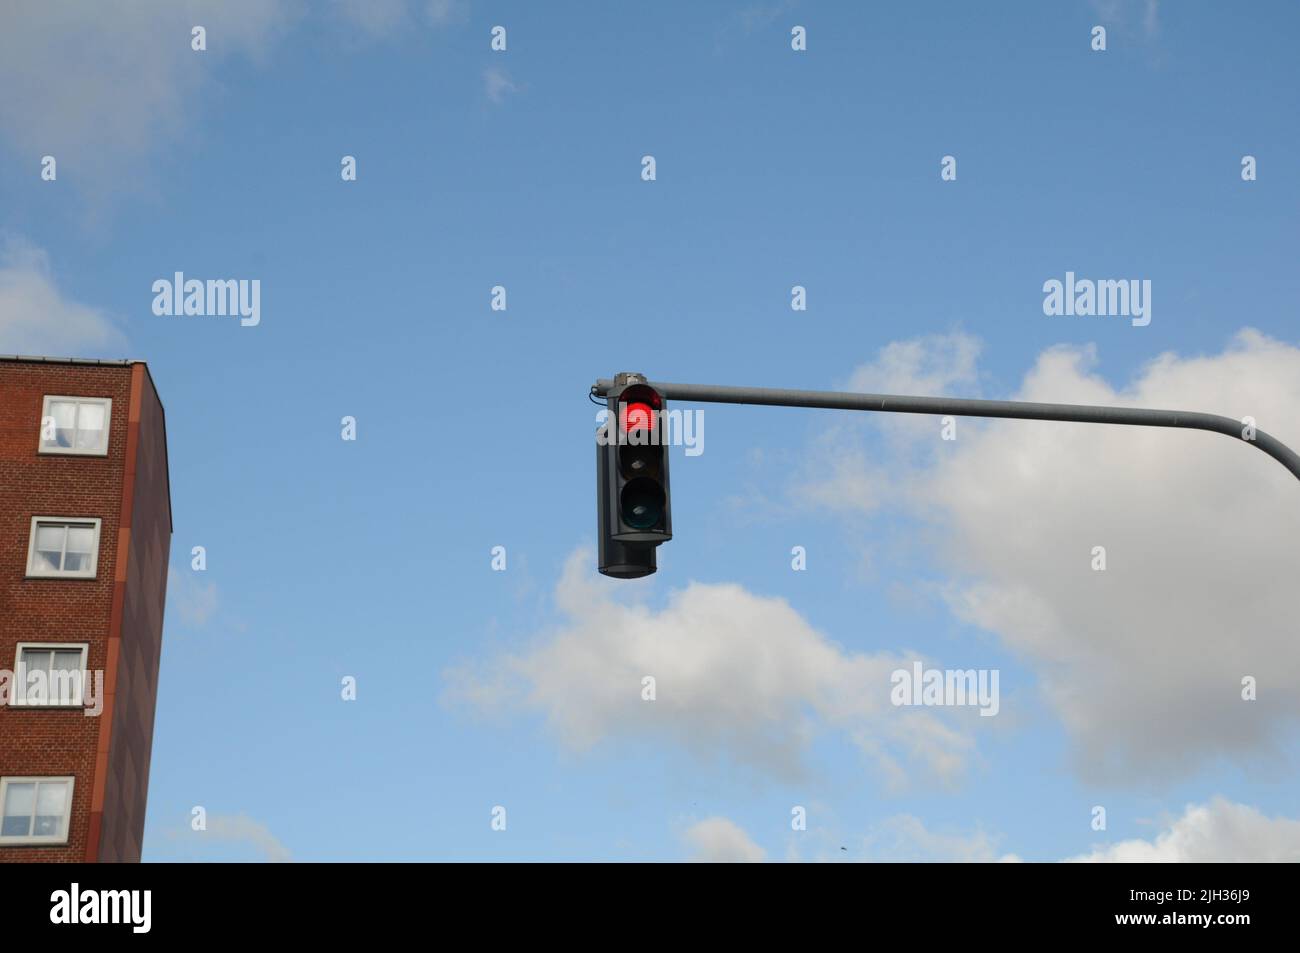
x=36, y=359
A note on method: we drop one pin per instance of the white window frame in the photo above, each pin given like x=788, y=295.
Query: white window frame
x=20, y=674
x=11, y=840
x=73, y=450
x=33, y=573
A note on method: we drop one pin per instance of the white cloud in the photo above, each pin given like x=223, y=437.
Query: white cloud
x=1123, y=14
x=934, y=364
x=376, y=18
x=387, y=18
x=838, y=474
x=241, y=829
x=96, y=84
x=845, y=479
x=717, y=840
x=761, y=15
x=1217, y=832
x=497, y=83
x=904, y=838
x=196, y=602
x=1143, y=661
x=738, y=676
x=99, y=85
x=37, y=319
x=440, y=12
x=1151, y=17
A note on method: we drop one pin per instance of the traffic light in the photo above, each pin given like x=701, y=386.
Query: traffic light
x=634, y=514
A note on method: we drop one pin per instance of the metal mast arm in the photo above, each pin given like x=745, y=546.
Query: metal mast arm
x=960, y=407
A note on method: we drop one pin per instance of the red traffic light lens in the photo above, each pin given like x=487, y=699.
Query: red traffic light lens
x=637, y=416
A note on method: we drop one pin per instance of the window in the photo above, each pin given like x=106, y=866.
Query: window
x=76, y=425
x=49, y=675
x=63, y=548
x=35, y=810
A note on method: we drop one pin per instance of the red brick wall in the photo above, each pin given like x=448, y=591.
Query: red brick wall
x=35, y=741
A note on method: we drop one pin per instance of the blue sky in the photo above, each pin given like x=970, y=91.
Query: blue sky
x=371, y=558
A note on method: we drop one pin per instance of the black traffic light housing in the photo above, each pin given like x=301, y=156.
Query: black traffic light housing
x=634, y=514
x=619, y=560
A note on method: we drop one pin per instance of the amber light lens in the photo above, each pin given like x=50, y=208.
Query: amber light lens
x=639, y=461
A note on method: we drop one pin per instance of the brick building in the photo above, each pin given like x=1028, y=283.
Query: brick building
x=85, y=534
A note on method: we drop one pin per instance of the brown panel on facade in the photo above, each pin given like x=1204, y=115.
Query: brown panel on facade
x=140, y=647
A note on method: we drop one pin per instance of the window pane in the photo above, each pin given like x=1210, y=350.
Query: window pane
x=81, y=539
x=16, y=826
x=35, y=680
x=37, y=660
x=64, y=413
x=49, y=547
x=67, y=661
x=90, y=426
x=19, y=801
x=81, y=544
x=66, y=678
x=51, y=798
